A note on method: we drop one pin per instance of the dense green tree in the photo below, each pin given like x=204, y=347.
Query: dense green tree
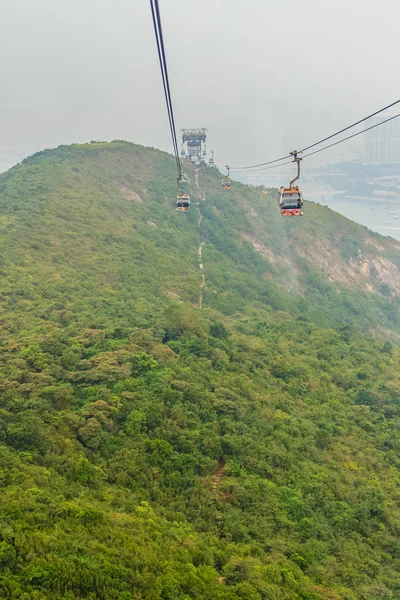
x=152, y=450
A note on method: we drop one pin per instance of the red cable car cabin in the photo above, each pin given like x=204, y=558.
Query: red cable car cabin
x=226, y=183
x=290, y=202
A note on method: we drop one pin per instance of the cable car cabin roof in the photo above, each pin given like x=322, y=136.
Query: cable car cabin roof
x=289, y=191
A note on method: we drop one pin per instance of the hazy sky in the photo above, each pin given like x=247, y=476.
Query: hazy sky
x=264, y=76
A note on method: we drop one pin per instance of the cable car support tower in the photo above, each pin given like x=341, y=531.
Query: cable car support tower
x=194, y=148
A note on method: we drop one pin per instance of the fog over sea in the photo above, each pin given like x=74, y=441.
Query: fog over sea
x=378, y=214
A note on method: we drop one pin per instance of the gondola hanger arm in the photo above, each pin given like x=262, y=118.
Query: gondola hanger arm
x=297, y=160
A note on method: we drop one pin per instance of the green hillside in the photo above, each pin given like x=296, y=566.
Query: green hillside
x=99, y=219
x=153, y=450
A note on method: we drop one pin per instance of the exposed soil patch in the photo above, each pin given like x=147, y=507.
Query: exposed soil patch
x=173, y=294
x=252, y=212
x=367, y=270
x=131, y=195
x=259, y=247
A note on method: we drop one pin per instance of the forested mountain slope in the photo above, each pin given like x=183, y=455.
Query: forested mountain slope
x=99, y=219
x=150, y=450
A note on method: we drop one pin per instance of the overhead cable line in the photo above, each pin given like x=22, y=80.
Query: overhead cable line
x=282, y=164
x=350, y=127
x=164, y=72
x=324, y=139
x=351, y=136
x=270, y=162
x=155, y=11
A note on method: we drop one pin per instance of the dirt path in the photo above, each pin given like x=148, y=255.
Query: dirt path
x=199, y=215
x=219, y=475
x=200, y=248
x=203, y=276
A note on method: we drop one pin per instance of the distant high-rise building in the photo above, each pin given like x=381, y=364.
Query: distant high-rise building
x=382, y=144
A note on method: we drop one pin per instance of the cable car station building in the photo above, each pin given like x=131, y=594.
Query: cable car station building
x=194, y=146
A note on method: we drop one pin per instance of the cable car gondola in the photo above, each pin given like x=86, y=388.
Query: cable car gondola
x=290, y=199
x=290, y=202
x=183, y=199
x=182, y=202
x=226, y=182
x=211, y=162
